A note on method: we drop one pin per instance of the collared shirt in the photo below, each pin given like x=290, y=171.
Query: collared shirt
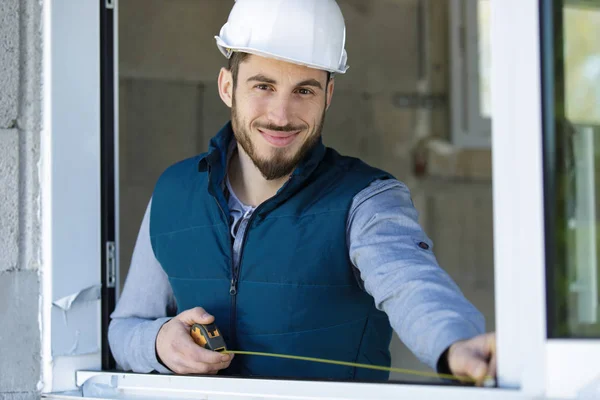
x=386, y=244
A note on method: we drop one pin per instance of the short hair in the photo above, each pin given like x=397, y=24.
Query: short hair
x=239, y=57
x=234, y=64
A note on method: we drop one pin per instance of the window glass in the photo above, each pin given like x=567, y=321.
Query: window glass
x=485, y=58
x=582, y=63
x=573, y=156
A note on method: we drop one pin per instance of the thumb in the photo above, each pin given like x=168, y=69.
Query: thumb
x=195, y=315
x=467, y=366
x=478, y=370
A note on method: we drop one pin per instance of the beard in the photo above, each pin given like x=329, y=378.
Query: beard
x=280, y=163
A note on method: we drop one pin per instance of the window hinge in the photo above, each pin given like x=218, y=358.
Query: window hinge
x=111, y=265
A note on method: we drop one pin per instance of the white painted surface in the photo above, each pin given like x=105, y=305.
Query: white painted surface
x=116, y=139
x=518, y=195
x=572, y=364
x=45, y=384
x=65, y=367
x=71, y=210
x=111, y=385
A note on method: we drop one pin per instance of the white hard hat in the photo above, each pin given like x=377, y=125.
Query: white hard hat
x=305, y=32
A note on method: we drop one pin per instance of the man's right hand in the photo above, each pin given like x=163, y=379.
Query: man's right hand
x=177, y=350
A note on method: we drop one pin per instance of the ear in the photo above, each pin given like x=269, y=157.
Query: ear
x=330, y=89
x=226, y=86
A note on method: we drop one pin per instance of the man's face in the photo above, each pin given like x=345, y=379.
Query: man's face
x=278, y=110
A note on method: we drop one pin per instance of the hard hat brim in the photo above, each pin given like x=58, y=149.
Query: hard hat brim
x=228, y=50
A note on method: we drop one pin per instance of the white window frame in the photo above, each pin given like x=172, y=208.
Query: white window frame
x=469, y=128
x=570, y=361
x=529, y=365
x=518, y=220
x=558, y=368
x=70, y=191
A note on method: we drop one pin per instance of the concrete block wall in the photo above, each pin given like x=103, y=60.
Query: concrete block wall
x=20, y=126
x=398, y=53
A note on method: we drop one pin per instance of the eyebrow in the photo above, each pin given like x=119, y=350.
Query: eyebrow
x=311, y=82
x=262, y=78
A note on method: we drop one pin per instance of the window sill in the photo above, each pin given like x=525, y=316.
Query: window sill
x=112, y=385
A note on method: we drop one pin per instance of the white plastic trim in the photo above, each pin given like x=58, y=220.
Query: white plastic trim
x=571, y=366
x=117, y=165
x=124, y=385
x=46, y=202
x=71, y=191
x=518, y=195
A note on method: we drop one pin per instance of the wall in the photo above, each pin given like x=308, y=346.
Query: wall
x=398, y=53
x=20, y=126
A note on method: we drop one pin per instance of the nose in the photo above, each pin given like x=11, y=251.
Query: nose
x=280, y=111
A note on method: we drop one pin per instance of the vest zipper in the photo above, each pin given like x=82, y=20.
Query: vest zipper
x=236, y=271
x=232, y=287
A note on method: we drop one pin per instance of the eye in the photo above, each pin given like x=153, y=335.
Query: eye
x=262, y=86
x=305, y=92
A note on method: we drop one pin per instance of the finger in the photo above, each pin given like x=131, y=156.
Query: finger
x=182, y=366
x=479, y=372
x=198, y=354
x=186, y=365
x=198, y=367
x=474, y=368
x=220, y=366
x=492, y=367
x=464, y=364
x=462, y=378
x=187, y=357
x=196, y=315
x=490, y=343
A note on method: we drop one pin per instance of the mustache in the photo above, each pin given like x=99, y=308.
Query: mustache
x=277, y=128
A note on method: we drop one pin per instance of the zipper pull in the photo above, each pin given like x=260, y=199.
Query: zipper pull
x=232, y=288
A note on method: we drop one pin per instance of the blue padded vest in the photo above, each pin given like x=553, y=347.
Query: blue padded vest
x=296, y=290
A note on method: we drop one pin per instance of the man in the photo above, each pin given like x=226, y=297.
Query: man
x=286, y=245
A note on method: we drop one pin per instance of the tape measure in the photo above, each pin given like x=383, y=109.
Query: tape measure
x=209, y=337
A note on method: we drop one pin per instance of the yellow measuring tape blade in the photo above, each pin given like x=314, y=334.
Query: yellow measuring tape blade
x=358, y=365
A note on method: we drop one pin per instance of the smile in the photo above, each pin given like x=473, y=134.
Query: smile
x=278, y=139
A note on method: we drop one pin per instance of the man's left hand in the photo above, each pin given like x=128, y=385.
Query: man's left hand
x=474, y=358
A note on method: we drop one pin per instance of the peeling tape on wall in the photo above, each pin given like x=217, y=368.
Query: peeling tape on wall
x=81, y=341
x=91, y=293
